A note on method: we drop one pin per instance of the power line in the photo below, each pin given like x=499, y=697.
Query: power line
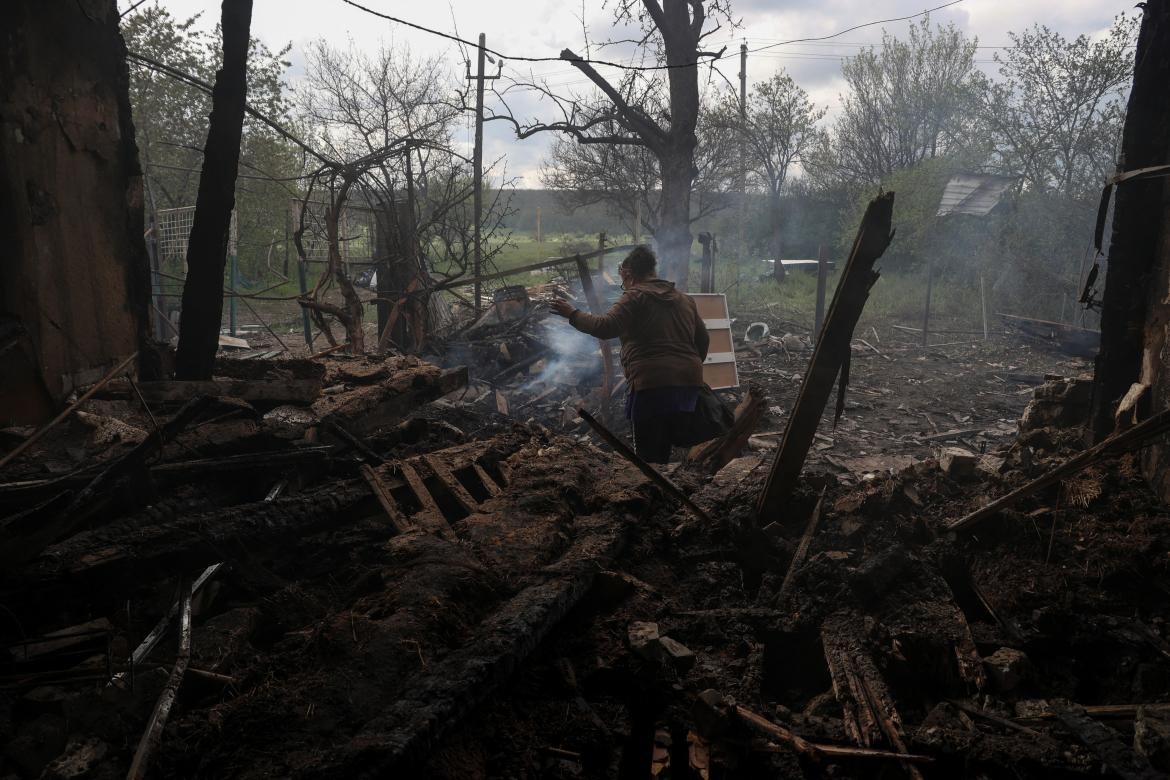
x=855, y=27
x=583, y=60
x=195, y=81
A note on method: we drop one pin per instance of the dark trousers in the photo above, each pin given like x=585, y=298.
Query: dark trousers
x=653, y=435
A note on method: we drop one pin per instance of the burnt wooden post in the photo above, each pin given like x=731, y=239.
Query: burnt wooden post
x=831, y=353
x=75, y=279
x=926, y=306
x=707, y=269
x=208, y=243
x=822, y=280
x=1138, y=221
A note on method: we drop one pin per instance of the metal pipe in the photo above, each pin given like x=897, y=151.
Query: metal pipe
x=152, y=737
x=147, y=645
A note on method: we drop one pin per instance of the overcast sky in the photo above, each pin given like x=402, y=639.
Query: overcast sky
x=544, y=27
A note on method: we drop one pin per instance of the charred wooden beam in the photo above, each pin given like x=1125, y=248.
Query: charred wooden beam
x=207, y=246
x=624, y=450
x=1121, y=442
x=1105, y=743
x=1138, y=222
x=121, y=553
x=830, y=355
x=816, y=750
x=447, y=477
x=24, y=543
x=295, y=391
x=386, y=499
x=717, y=453
x=431, y=704
x=31, y=440
x=152, y=737
x=801, y=550
x=367, y=408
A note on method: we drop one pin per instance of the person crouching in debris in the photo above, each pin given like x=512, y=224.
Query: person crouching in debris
x=664, y=344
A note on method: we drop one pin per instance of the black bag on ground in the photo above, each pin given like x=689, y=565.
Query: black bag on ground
x=710, y=419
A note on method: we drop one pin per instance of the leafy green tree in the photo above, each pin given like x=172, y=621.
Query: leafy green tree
x=1056, y=112
x=170, y=119
x=908, y=101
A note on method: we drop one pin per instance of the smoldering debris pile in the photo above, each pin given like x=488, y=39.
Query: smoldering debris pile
x=223, y=538
x=527, y=363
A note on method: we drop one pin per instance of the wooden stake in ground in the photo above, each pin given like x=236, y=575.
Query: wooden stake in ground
x=831, y=352
x=623, y=449
x=207, y=245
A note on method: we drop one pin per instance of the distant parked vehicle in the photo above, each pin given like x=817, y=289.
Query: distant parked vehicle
x=367, y=278
x=805, y=266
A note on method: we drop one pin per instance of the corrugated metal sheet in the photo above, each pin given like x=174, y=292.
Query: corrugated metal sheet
x=974, y=195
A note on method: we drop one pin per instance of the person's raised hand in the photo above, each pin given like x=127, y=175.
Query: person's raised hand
x=562, y=307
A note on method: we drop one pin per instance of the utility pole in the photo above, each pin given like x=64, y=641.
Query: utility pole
x=742, y=80
x=742, y=173
x=477, y=163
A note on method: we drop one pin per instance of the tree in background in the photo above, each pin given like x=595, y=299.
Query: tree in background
x=673, y=31
x=1055, y=117
x=386, y=120
x=170, y=120
x=627, y=179
x=1056, y=112
x=908, y=101
x=778, y=129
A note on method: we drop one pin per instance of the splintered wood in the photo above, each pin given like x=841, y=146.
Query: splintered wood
x=717, y=453
x=830, y=356
x=868, y=710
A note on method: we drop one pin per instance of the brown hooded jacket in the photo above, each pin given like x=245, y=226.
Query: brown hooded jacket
x=664, y=341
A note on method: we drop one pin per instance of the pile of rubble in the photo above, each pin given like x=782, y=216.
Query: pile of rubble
x=858, y=635
x=349, y=567
x=526, y=363
x=272, y=513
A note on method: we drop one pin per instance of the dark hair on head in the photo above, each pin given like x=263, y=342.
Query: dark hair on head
x=641, y=261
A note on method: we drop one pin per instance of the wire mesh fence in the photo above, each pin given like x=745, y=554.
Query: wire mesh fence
x=260, y=303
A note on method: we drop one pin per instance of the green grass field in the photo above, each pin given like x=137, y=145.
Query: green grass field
x=895, y=298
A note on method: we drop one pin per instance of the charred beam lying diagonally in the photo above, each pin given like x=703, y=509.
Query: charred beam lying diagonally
x=1121, y=442
x=35, y=533
x=831, y=353
x=152, y=737
x=622, y=449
